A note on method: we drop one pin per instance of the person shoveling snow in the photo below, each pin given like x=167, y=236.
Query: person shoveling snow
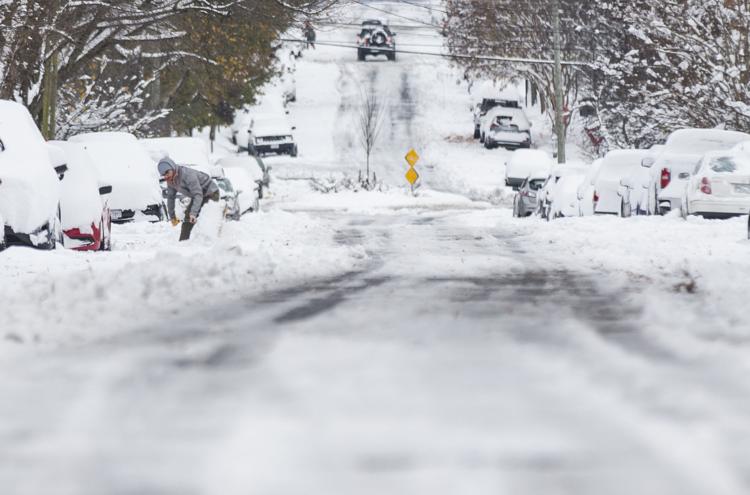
x=193, y=184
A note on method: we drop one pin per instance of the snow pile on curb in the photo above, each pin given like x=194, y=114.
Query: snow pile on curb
x=65, y=296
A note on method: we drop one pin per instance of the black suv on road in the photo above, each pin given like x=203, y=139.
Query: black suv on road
x=376, y=38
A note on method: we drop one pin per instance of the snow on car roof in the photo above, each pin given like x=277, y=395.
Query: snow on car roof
x=618, y=162
x=525, y=155
x=183, y=150
x=699, y=141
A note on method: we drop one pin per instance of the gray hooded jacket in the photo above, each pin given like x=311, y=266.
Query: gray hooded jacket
x=193, y=184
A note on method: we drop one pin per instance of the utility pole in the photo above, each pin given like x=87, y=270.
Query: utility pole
x=557, y=79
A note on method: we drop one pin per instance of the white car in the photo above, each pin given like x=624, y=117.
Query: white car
x=522, y=163
x=548, y=191
x=616, y=165
x=189, y=151
x=563, y=196
x=719, y=186
x=29, y=186
x=487, y=98
x=271, y=133
x=84, y=202
x=507, y=127
x=671, y=169
x=273, y=102
x=248, y=179
x=635, y=188
x=585, y=192
x=124, y=163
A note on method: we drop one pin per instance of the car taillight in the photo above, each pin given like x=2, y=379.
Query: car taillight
x=666, y=177
x=596, y=197
x=388, y=40
x=705, y=185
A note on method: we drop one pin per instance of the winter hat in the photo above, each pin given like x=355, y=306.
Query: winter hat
x=166, y=164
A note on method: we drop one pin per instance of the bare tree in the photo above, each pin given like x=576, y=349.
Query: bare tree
x=370, y=122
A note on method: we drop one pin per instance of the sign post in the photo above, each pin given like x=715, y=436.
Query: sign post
x=411, y=175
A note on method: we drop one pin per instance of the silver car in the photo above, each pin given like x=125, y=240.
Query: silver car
x=525, y=200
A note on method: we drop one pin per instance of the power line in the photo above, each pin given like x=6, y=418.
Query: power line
x=422, y=6
x=451, y=56
x=418, y=21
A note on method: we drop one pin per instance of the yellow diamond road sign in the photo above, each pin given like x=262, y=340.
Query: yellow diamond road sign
x=412, y=157
x=412, y=175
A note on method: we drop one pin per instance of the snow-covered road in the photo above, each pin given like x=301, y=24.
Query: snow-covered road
x=377, y=342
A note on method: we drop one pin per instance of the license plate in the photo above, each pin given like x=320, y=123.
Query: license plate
x=115, y=214
x=274, y=146
x=742, y=188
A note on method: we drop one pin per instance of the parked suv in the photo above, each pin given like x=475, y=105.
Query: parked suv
x=487, y=104
x=376, y=38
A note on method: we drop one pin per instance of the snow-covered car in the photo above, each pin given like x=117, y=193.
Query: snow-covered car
x=272, y=133
x=634, y=188
x=272, y=102
x=563, y=196
x=548, y=191
x=525, y=200
x=248, y=179
x=523, y=162
x=671, y=169
x=507, y=127
x=191, y=151
x=84, y=202
x=615, y=166
x=585, y=192
x=487, y=103
x=29, y=184
x=124, y=164
x=230, y=198
x=376, y=38
x=719, y=186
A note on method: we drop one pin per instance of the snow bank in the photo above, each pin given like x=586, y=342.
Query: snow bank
x=66, y=296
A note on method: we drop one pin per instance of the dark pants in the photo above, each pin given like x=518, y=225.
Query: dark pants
x=187, y=226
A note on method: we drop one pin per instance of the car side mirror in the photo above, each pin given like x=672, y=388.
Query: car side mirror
x=105, y=190
x=647, y=162
x=294, y=127
x=684, y=175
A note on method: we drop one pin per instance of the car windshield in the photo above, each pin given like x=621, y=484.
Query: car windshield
x=726, y=164
x=503, y=123
x=536, y=184
x=224, y=184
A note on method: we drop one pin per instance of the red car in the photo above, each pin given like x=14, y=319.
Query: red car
x=84, y=210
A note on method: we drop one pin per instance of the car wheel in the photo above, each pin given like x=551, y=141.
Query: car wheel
x=488, y=144
x=361, y=55
x=293, y=153
x=481, y=138
x=476, y=132
x=516, y=210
